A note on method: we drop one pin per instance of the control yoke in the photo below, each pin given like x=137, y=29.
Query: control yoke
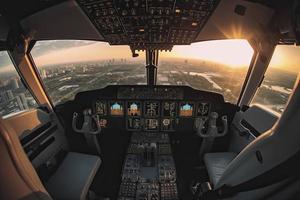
x=87, y=126
x=89, y=131
x=212, y=129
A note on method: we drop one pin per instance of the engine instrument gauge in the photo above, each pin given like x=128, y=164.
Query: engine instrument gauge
x=151, y=108
x=167, y=124
x=101, y=108
x=202, y=109
x=151, y=125
x=169, y=109
x=134, y=123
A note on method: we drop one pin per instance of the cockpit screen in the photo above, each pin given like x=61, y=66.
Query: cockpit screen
x=134, y=123
x=116, y=108
x=186, y=109
x=151, y=125
x=151, y=108
x=169, y=109
x=167, y=124
x=202, y=109
x=133, y=108
x=100, y=108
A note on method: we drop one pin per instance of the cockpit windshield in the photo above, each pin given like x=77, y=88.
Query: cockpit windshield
x=70, y=66
x=218, y=66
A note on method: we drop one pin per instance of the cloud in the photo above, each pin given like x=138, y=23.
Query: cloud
x=84, y=53
x=47, y=46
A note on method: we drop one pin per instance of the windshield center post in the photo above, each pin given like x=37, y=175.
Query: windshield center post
x=151, y=66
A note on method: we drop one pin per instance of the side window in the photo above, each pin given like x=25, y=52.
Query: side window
x=14, y=97
x=279, y=79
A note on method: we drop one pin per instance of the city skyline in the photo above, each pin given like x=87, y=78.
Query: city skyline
x=222, y=51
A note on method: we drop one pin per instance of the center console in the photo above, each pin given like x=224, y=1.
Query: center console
x=149, y=171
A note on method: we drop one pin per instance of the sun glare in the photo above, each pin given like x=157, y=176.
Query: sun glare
x=235, y=53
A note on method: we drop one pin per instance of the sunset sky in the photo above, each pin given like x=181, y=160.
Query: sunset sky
x=230, y=52
x=234, y=53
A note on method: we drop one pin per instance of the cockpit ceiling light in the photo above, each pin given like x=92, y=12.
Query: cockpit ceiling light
x=194, y=24
x=177, y=11
x=141, y=30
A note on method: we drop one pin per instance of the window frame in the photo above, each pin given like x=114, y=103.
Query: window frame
x=34, y=67
x=261, y=83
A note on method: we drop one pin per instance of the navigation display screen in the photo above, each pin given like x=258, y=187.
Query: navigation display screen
x=169, y=109
x=202, y=109
x=116, y=108
x=168, y=124
x=134, y=108
x=151, y=108
x=151, y=125
x=100, y=108
x=134, y=123
x=186, y=109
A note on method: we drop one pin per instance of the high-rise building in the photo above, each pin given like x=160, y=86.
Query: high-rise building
x=6, y=96
x=43, y=73
x=10, y=94
x=14, y=83
x=22, y=101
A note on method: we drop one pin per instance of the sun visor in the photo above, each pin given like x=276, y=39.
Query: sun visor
x=236, y=19
x=62, y=21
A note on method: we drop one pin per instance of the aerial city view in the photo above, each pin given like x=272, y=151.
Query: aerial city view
x=14, y=97
x=66, y=78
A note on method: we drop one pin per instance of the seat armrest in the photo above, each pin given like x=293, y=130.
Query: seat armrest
x=73, y=177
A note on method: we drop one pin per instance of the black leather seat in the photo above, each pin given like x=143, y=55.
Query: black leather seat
x=216, y=163
x=73, y=177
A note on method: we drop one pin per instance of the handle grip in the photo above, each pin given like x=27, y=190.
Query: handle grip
x=87, y=124
x=199, y=123
x=225, y=125
x=212, y=131
x=74, y=122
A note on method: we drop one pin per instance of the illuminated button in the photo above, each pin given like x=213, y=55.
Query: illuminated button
x=177, y=11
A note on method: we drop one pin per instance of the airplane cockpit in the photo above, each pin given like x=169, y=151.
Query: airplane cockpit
x=149, y=99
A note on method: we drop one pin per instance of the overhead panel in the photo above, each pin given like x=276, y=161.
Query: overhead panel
x=149, y=24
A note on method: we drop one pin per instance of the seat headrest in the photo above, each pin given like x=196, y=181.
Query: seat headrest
x=19, y=179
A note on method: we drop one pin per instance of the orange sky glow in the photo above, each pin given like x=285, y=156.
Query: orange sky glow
x=232, y=52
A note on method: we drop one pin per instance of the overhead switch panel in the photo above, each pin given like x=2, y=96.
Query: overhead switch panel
x=149, y=24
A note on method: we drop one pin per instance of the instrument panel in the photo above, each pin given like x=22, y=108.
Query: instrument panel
x=150, y=115
x=149, y=108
